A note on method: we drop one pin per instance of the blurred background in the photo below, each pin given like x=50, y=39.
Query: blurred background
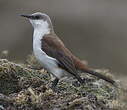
x=94, y=30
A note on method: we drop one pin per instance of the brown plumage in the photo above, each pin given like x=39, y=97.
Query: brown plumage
x=55, y=48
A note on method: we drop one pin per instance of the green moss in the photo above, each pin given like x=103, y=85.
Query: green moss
x=29, y=89
x=13, y=75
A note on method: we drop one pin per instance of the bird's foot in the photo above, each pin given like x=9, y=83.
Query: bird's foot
x=54, y=83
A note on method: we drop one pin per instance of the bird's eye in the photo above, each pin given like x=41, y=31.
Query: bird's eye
x=37, y=17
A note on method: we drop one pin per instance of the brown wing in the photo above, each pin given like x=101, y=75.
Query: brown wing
x=54, y=47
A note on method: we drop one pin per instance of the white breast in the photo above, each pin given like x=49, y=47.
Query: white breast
x=41, y=56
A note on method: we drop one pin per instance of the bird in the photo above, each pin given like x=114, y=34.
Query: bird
x=53, y=55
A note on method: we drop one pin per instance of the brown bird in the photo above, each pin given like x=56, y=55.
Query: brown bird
x=52, y=54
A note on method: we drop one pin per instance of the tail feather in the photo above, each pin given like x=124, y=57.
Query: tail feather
x=101, y=76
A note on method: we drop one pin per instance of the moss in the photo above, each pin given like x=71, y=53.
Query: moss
x=29, y=89
x=14, y=77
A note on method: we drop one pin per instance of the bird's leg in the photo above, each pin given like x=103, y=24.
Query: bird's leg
x=54, y=83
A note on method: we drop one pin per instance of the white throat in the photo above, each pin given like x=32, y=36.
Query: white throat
x=40, y=29
x=40, y=25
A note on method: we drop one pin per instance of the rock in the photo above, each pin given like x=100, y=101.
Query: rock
x=23, y=88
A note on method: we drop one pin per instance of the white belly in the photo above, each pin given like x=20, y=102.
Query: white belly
x=49, y=63
x=44, y=59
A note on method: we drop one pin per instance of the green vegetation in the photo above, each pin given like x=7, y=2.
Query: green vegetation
x=24, y=88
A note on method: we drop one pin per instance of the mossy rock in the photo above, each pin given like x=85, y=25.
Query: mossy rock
x=23, y=88
x=15, y=77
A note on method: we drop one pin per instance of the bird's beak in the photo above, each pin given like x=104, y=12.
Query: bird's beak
x=26, y=15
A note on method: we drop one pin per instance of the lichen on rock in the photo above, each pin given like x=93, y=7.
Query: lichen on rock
x=24, y=88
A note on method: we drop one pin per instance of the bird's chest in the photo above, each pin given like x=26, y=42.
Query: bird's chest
x=40, y=55
x=38, y=52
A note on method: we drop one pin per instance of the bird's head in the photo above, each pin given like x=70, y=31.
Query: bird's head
x=39, y=20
